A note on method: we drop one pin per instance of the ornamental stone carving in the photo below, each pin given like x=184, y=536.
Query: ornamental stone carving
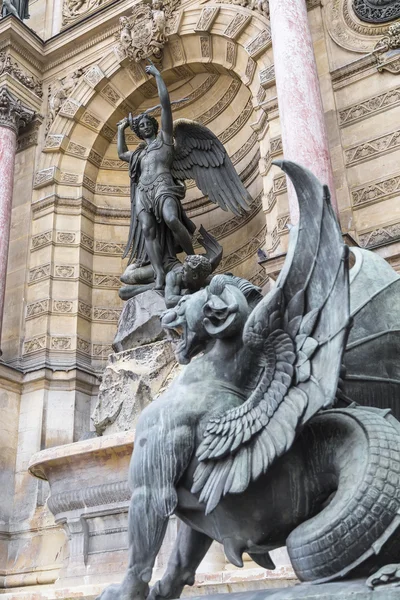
x=7, y=65
x=73, y=9
x=377, y=11
x=145, y=33
x=59, y=91
x=12, y=113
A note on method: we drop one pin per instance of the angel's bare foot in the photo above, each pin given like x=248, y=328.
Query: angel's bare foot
x=388, y=575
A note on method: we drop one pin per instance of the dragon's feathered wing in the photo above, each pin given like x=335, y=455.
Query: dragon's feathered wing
x=296, y=335
x=199, y=155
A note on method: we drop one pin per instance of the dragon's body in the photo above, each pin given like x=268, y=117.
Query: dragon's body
x=246, y=447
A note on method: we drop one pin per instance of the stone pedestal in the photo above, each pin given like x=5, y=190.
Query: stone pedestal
x=301, y=113
x=12, y=116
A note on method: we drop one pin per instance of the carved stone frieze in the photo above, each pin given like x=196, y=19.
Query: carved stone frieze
x=34, y=344
x=86, y=241
x=259, y=43
x=60, y=343
x=270, y=200
x=84, y=310
x=241, y=254
x=205, y=46
x=101, y=351
x=236, y=25
x=110, y=93
x=76, y=150
x=109, y=248
x=108, y=315
x=260, y=6
x=86, y=275
x=64, y=271
x=372, y=148
x=207, y=18
x=63, y=306
x=94, y=75
x=267, y=77
x=83, y=345
x=244, y=116
x=377, y=11
x=10, y=66
x=371, y=106
x=145, y=33
x=12, y=113
x=66, y=238
x=39, y=273
x=276, y=146
x=104, y=280
x=382, y=235
x=221, y=104
x=35, y=309
x=282, y=224
x=74, y=9
x=280, y=184
x=91, y=120
x=41, y=239
x=375, y=191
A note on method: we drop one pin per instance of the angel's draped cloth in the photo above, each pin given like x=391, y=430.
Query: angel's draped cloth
x=152, y=198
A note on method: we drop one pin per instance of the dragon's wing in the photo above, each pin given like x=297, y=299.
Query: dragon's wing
x=295, y=336
x=199, y=155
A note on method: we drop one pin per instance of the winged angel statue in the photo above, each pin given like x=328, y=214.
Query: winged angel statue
x=159, y=227
x=245, y=447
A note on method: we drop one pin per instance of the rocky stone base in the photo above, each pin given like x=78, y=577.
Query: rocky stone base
x=131, y=380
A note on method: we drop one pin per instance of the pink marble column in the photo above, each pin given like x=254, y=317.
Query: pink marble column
x=301, y=113
x=12, y=116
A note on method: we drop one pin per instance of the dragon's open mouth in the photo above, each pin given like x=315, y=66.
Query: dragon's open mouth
x=177, y=335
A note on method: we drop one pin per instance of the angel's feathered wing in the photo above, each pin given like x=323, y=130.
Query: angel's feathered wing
x=199, y=155
x=296, y=335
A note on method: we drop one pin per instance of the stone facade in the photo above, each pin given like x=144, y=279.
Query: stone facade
x=70, y=207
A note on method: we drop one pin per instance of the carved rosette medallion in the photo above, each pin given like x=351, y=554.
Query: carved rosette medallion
x=145, y=33
x=12, y=113
x=377, y=11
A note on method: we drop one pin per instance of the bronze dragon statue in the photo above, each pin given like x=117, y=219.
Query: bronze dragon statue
x=246, y=447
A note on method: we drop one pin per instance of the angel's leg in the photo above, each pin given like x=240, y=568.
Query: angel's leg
x=189, y=550
x=153, y=247
x=171, y=217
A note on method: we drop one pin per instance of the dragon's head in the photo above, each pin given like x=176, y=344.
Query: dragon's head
x=218, y=311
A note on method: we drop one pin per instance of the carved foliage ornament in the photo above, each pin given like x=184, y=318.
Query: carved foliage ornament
x=145, y=33
x=12, y=113
x=377, y=11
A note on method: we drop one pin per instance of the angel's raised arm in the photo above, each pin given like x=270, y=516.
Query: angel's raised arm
x=166, y=112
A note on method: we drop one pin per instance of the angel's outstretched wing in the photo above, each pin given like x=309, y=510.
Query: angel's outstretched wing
x=199, y=155
x=296, y=336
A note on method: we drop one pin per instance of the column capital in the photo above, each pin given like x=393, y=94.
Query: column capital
x=13, y=113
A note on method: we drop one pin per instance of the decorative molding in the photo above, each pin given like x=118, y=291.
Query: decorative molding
x=244, y=252
x=83, y=345
x=34, y=344
x=75, y=9
x=29, y=136
x=353, y=71
x=41, y=239
x=91, y=121
x=106, y=315
x=276, y=146
x=84, y=310
x=101, y=351
x=60, y=343
x=12, y=113
x=280, y=184
x=206, y=46
x=244, y=116
x=104, y=280
x=371, y=106
x=11, y=67
x=94, y=75
x=87, y=242
x=109, y=248
x=386, y=234
x=39, y=273
x=38, y=308
x=236, y=25
x=372, y=148
x=110, y=94
x=66, y=238
x=282, y=225
x=62, y=306
x=76, y=150
x=86, y=275
x=64, y=271
x=259, y=43
x=221, y=104
x=270, y=200
x=267, y=77
x=376, y=191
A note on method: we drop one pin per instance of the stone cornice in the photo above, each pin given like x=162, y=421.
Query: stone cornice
x=12, y=113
